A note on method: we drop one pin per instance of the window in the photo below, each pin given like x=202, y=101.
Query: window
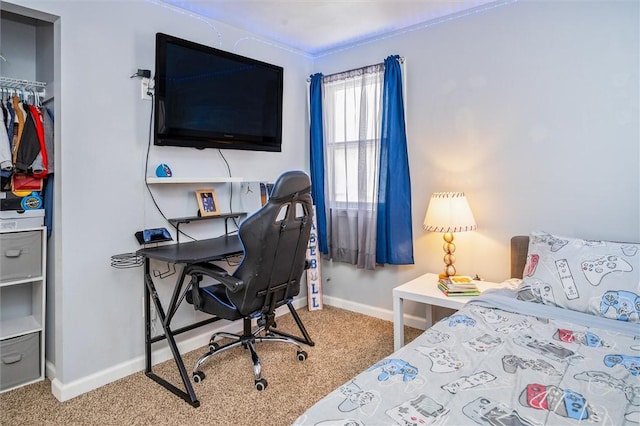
x=352, y=142
x=359, y=165
x=352, y=112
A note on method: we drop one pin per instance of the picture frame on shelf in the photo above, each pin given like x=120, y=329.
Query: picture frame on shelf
x=265, y=191
x=207, y=202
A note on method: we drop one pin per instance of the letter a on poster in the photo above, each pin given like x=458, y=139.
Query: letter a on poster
x=314, y=278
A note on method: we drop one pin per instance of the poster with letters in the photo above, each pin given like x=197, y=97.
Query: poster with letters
x=314, y=277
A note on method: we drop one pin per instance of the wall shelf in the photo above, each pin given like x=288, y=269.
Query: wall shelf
x=185, y=180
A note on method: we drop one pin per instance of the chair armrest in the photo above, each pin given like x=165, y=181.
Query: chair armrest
x=217, y=273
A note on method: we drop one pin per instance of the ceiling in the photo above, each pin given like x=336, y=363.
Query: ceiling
x=318, y=26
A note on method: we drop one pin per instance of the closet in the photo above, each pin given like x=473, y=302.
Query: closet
x=27, y=250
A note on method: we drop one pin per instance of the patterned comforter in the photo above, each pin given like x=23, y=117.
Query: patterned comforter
x=499, y=361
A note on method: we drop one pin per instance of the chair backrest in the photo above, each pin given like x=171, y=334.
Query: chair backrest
x=275, y=240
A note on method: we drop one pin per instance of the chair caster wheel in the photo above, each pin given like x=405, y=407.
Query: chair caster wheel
x=198, y=376
x=261, y=384
x=213, y=346
x=302, y=355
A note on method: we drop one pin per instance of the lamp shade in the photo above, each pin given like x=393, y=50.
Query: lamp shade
x=449, y=212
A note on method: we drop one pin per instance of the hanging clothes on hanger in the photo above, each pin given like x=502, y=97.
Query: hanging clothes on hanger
x=29, y=145
x=5, y=112
x=6, y=163
x=26, y=144
x=10, y=120
x=47, y=123
x=39, y=166
x=18, y=125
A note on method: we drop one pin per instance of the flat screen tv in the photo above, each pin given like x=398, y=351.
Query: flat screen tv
x=210, y=98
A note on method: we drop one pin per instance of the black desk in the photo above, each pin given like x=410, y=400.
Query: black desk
x=188, y=253
x=183, y=253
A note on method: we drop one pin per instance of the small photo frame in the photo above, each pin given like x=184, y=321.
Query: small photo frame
x=207, y=202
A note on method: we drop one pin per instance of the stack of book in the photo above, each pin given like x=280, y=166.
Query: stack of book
x=458, y=285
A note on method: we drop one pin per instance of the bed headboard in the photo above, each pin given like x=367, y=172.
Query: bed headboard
x=519, y=248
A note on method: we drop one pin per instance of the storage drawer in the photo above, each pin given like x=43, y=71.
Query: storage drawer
x=20, y=255
x=19, y=360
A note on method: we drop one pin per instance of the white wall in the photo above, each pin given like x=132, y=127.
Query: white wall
x=530, y=108
x=102, y=199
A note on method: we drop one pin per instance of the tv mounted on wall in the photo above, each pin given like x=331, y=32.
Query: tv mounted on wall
x=209, y=98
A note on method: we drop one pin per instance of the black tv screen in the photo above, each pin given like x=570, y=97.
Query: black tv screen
x=209, y=98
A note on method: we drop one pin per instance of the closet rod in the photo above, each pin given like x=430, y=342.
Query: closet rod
x=37, y=87
x=15, y=83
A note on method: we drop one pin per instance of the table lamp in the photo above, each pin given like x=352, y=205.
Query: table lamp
x=449, y=212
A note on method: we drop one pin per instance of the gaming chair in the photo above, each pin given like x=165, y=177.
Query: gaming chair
x=275, y=240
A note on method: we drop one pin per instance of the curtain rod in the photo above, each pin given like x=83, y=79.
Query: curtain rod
x=401, y=59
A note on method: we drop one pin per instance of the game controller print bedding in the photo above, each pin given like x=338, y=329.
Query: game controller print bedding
x=562, y=349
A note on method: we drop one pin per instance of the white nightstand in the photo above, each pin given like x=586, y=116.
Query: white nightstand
x=424, y=289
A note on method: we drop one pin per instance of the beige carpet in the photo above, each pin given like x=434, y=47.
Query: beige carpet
x=345, y=344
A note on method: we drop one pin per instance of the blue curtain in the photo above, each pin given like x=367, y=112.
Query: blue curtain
x=394, y=233
x=317, y=160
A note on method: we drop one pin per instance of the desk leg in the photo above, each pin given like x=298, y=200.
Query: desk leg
x=398, y=323
x=147, y=319
x=150, y=293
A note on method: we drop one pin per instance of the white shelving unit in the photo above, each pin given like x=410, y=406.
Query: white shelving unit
x=22, y=306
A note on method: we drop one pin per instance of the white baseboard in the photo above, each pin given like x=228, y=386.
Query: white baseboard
x=49, y=370
x=372, y=311
x=65, y=391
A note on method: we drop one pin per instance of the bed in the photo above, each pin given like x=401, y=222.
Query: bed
x=559, y=346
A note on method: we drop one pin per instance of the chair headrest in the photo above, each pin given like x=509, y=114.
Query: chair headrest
x=289, y=185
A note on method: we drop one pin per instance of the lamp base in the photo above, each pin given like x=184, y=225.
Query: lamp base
x=449, y=259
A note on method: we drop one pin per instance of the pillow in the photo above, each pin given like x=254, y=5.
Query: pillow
x=601, y=278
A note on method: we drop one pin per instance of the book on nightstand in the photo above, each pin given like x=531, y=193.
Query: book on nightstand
x=458, y=285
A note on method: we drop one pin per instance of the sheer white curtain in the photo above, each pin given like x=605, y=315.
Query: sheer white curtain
x=352, y=106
